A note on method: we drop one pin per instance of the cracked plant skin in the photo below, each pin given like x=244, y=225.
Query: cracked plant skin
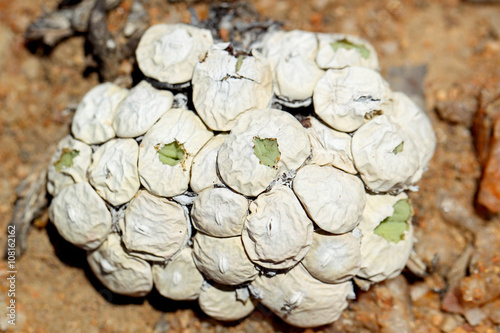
x=292, y=55
x=343, y=98
x=226, y=86
x=239, y=200
x=237, y=163
x=170, y=52
x=93, y=120
x=155, y=228
x=141, y=109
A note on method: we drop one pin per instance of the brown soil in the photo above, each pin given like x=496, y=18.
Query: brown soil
x=459, y=44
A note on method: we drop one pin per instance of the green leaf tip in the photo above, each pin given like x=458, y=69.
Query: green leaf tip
x=171, y=153
x=66, y=159
x=399, y=148
x=239, y=63
x=267, y=151
x=393, y=227
x=344, y=43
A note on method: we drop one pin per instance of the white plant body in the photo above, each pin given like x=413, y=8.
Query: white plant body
x=239, y=166
x=382, y=259
x=204, y=172
x=277, y=233
x=179, y=279
x=155, y=228
x=113, y=172
x=220, y=302
x=333, y=199
x=223, y=260
x=226, y=85
x=301, y=300
x=169, y=52
x=219, y=212
x=177, y=125
x=292, y=57
x=330, y=147
x=79, y=157
x=333, y=258
x=347, y=98
x=237, y=201
x=85, y=226
x=143, y=106
x=337, y=51
x=119, y=271
x=384, y=156
x=93, y=120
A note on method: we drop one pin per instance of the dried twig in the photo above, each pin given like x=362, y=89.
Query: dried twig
x=30, y=203
x=89, y=17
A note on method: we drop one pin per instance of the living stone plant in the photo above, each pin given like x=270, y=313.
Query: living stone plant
x=198, y=182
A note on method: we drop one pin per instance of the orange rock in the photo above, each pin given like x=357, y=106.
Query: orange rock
x=224, y=34
x=316, y=20
x=478, y=289
x=489, y=188
x=202, y=12
x=452, y=301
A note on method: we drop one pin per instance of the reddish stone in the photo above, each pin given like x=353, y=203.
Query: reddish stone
x=489, y=188
x=452, y=301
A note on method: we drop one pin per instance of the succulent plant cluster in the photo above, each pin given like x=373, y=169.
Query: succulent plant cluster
x=238, y=201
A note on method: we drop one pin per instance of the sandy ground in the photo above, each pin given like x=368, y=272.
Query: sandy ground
x=457, y=41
